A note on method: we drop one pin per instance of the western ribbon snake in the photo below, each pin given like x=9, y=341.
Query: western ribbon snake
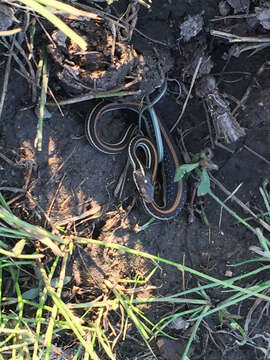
x=158, y=150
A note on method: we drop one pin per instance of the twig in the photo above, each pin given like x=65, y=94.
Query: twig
x=96, y=210
x=189, y=93
x=45, y=30
x=243, y=16
x=240, y=203
x=31, y=70
x=54, y=197
x=227, y=199
x=7, y=160
x=252, y=84
x=62, y=165
x=124, y=24
x=55, y=100
x=120, y=331
x=12, y=189
x=256, y=303
x=21, y=65
x=30, y=197
x=256, y=154
x=130, y=19
x=28, y=176
x=93, y=95
x=151, y=39
x=25, y=186
x=6, y=77
x=209, y=125
x=21, y=192
x=142, y=2
x=118, y=191
x=232, y=38
x=257, y=48
x=10, y=32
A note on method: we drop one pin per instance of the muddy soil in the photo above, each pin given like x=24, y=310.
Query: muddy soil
x=69, y=177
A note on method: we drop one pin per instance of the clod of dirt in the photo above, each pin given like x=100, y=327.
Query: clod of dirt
x=104, y=66
x=191, y=27
x=263, y=15
x=179, y=324
x=194, y=48
x=224, y=8
x=6, y=17
x=192, y=52
x=239, y=5
x=58, y=353
x=171, y=349
x=110, y=63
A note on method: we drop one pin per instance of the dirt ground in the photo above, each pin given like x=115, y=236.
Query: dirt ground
x=69, y=177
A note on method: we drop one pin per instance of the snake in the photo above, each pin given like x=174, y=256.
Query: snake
x=144, y=158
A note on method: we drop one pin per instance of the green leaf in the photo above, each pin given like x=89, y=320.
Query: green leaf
x=204, y=186
x=196, y=158
x=30, y=294
x=54, y=282
x=3, y=245
x=4, y=203
x=18, y=248
x=184, y=169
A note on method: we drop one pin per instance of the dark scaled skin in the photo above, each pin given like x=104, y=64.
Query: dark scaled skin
x=144, y=184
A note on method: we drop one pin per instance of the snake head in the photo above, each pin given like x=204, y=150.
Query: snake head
x=145, y=186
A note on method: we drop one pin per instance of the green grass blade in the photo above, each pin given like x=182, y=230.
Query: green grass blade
x=164, y=322
x=34, y=5
x=171, y=299
x=4, y=203
x=40, y=309
x=142, y=329
x=217, y=282
x=254, y=291
x=194, y=331
x=58, y=5
x=43, y=97
x=49, y=332
x=35, y=232
x=233, y=213
x=265, y=196
x=104, y=343
x=6, y=232
x=73, y=323
x=15, y=277
x=1, y=282
x=26, y=256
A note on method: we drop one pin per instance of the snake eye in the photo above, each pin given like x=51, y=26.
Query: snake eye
x=144, y=184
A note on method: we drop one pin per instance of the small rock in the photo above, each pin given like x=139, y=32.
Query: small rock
x=60, y=38
x=228, y=273
x=6, y=17
x=239, y=5
x=46, y=115
x=191, y=27
x=263, y=15
x=172, y=349
x=224, y=8
x=179, y=324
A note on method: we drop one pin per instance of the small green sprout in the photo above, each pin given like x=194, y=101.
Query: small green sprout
x=200, y=163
